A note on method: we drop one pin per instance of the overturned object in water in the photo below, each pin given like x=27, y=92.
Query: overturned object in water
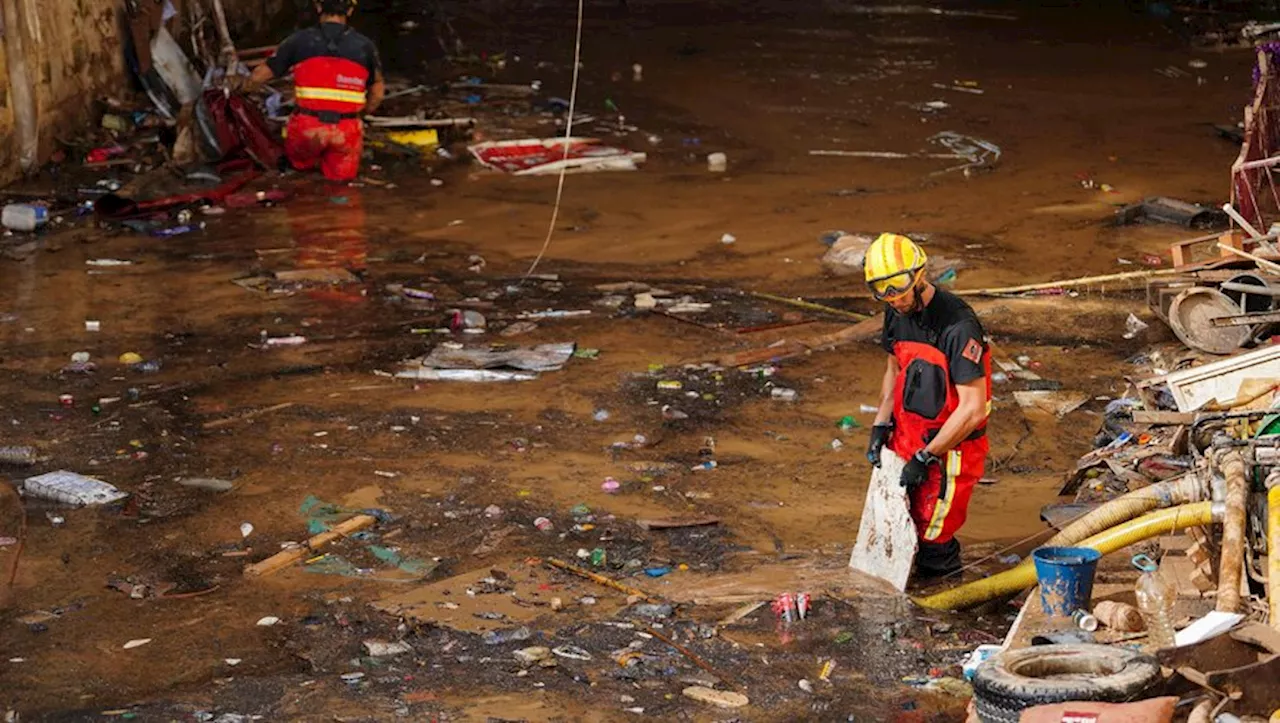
x=1160, y=209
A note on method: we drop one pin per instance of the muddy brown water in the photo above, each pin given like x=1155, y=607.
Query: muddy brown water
x=1068, y=94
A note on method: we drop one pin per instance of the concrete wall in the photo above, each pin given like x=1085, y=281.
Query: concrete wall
x=74, y=51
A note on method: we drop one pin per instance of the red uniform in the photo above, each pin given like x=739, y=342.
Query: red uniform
x=333, y=66
x=937, y=348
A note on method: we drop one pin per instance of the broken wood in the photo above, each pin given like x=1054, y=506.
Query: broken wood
x=674, y=523
x=284, y=559
x=1259, y=635
x=600, y=579
x=1261, y=262
x=741, y=613
x=1142, y=416
x=219, y=423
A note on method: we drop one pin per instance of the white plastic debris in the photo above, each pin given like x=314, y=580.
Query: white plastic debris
x=72, y=489
x=1134, y=326
x=246, y=529
x=136, y=643
x=268, y=621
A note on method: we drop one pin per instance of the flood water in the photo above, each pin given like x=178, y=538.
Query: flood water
x=1070, y=96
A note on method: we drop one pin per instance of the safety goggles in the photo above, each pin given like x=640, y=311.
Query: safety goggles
x=892, y=287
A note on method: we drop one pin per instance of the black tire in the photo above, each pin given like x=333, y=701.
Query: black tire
x=1015, y=680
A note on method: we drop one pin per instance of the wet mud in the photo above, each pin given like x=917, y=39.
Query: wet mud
x=1068, y=94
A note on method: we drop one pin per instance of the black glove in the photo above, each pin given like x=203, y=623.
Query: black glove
x=917, y=469
x=879, y=438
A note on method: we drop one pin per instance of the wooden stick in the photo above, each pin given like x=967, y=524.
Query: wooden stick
x=1067, y=283
x=600, y=579
x=865, y=329
x=219, y=423
x=1268, y=265
x=802, y=304
x=284, y=559
x=696, y=660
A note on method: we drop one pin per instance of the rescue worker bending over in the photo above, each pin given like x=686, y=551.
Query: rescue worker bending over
x=934, y=399
x=337, y=79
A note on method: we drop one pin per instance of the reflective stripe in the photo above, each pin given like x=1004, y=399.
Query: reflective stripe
x=943, y=505
x=341, y=96
x=988, y=414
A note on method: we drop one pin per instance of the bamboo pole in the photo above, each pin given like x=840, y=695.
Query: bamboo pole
x=1069, y=283
x=809, y=305
x=600, y=579
x=284, y=559
x=229, y=55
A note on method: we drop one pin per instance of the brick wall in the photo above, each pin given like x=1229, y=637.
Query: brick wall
x=74, y=52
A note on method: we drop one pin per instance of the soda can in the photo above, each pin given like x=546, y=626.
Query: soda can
x=67, y=400
x=802, y=604
x=785, y=607
x=543, y=524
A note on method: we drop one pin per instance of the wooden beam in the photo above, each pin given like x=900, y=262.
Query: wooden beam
x=284, y=559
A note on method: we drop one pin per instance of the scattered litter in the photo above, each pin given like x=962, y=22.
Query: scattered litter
x=1058, y=403
x=137, y=643
x=384, y=649
x=454, y=362
x=267, y=621
x=1215, y=623
x=246, y=529
x=1134, y=326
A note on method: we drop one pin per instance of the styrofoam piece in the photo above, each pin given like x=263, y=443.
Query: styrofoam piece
x=1211, y=625
x=886, y=544
x=72, y=489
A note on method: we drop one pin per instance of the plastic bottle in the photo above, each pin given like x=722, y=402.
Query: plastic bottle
x=498, y=637
x=1155, y=600
x=24, y=216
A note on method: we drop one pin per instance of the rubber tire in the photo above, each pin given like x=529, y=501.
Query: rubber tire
x=1005, y=684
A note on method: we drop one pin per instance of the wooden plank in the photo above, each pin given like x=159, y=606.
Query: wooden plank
x=1142, y=416
x=886, y=544
x=284, y=559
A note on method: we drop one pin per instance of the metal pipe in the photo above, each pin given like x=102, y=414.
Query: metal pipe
x=1231, y=565
x=1251, y=289
x=1273, y=546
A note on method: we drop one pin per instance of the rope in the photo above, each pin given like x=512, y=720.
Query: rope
x=568, y=133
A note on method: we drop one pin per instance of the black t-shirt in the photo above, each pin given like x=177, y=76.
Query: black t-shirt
x=325, y=40
x=947, y=323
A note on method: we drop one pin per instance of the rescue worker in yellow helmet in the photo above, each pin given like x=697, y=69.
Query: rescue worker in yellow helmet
x=934, y=399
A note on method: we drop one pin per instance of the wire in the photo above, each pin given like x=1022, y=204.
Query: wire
x=568, y=133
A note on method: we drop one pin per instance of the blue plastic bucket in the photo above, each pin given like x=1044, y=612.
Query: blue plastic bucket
x=1066, y=578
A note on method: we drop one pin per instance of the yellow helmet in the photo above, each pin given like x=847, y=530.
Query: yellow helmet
x=894, y=264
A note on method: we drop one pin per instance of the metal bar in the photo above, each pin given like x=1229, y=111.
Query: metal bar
x=1261, y=317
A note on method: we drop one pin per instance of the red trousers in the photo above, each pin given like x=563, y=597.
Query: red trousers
x=940, y=505
x=334, y=147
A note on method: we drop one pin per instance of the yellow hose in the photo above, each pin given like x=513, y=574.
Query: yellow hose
x=1273, y=553
x=1121, y=536
x=1179, y=491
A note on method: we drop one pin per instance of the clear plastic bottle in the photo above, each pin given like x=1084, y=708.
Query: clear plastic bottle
x=24, y=216
x=1155, y=599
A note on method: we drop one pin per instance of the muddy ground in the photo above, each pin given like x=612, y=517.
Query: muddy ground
x=462, y=470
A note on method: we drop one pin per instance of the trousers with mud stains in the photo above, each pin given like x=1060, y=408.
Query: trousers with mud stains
x=335, y=147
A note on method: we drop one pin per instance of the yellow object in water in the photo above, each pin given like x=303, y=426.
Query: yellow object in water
x=424, y=138
x=130, y=358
